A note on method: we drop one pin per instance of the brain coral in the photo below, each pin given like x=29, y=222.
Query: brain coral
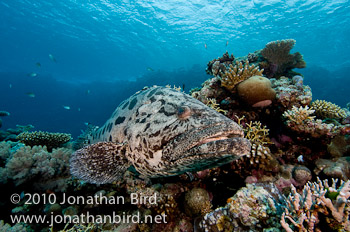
x=256, y=89
x=50, y=140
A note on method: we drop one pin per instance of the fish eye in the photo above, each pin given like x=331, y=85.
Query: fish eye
x=183, y=112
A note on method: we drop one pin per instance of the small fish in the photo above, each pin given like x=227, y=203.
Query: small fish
x=38, y=64
x=150, y=69
x=32, y=74
x=10, y=85
x=52, y=58
x=88, y=91
x=87, y=123
x=30, y=94
x=205, y=45
x=66, y=107
x=79, y=109
x=226, y=43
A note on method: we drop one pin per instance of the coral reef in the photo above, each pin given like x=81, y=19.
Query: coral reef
x=336, y=168
x=50, y=140
x=301, y=121
x=238, y=73
x=25, y=164
x=339, y=146
x=303, y=211
x=255, y=90
x=218, y=65
x=289, y=93
x=254, y=207
x=197, y=202
x=324, y=109
x=279, y=60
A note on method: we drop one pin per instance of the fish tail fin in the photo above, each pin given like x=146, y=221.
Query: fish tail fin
x=100, y=163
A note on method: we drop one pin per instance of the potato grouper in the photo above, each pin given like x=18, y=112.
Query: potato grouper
x=160, y=132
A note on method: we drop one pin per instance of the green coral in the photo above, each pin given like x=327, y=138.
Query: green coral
x=50, y=140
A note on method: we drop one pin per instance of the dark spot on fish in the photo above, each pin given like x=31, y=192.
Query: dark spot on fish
x=125, y=105
x=110, y=127
x=151, y=154
x=159, y=93
x=125, y=131
x=152, y=99
x=143, y=120
x=143, y=114
x=162, y=110
x=110, y=138
x=119, y=120
x=147, y=126
x=151, y=92
x=132, y=103
x=155, y=134
x=137, y=120
x=103, y=131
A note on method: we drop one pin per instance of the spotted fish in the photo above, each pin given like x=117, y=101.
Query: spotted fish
x=160, y=132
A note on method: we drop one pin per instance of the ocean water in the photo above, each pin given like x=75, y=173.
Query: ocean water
x=103, y=51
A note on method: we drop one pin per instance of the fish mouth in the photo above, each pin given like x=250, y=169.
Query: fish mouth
x=218, y=137
x=215, y=140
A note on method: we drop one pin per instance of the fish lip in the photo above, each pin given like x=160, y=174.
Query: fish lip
x=223, y=131
x=217, y=137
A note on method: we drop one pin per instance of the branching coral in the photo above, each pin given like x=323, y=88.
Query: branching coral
x=238, y=73
x=211, y=102
x=301, y=121
x=50, y=140
x=324, y=109
x=303, y=210
x=279, y=58
x=299, y=115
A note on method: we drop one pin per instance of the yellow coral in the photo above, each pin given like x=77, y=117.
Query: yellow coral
x=257, y=133
x=299, y=115
x=211, y=102
x=324, y=109
x=239, y=73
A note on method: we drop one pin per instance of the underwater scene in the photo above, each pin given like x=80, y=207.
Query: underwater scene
x=175, y=116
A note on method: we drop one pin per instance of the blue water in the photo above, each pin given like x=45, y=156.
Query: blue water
x=103, y=51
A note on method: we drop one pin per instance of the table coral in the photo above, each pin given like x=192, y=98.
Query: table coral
x=279, y=59
x=50, y=140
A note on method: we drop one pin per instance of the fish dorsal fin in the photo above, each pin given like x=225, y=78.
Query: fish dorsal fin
x=100, y=163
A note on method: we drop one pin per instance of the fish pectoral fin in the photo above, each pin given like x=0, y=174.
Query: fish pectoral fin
x=100, y=163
